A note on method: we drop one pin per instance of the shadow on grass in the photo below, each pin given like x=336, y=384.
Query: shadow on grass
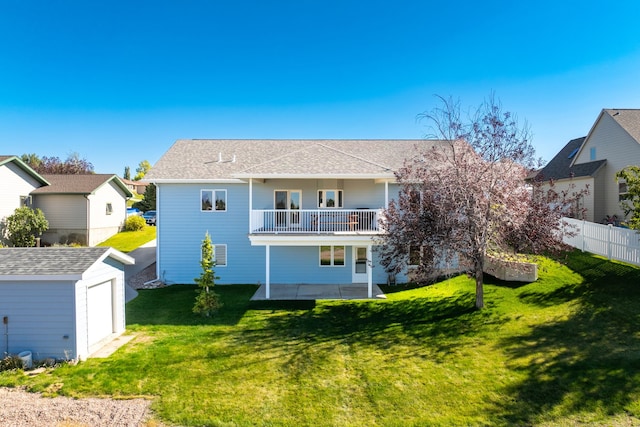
x=172, y=306
x=587, y=363
x=437, y=324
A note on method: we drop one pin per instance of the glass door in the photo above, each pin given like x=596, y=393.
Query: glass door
x=360, y=264
x=287, y=204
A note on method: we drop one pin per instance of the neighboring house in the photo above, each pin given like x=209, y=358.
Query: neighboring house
x=575, y=178
x=136, y=186
x=17, y=181
x=278, y=211
x=61, y=302
x=612, y=144
x=83, y=209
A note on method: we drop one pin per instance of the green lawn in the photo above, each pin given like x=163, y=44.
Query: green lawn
x=126, y=241
x=562, y=351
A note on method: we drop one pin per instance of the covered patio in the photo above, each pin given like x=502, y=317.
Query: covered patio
x=304, y=291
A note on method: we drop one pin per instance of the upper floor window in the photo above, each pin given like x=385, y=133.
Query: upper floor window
x=592, y=153
x=213, y=200
x=623, y=191
x=330, y=199
x=25, y=200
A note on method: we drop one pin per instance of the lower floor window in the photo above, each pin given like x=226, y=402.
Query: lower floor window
x=332, y=256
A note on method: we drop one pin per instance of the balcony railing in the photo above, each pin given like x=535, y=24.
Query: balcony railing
x=315, y=221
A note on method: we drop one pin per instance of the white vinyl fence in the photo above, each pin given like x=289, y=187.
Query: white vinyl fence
x=621, y=244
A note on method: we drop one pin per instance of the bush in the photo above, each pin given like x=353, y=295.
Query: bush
x=10, y=363
x=134, y=223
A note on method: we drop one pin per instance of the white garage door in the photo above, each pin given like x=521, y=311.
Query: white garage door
x=100, y=312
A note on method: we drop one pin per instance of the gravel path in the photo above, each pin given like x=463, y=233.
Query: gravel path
x=19, y=408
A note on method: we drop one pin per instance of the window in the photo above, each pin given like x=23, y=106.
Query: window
x=623, y=191
x=220, y=255
x=330, y=198
x=25, y=200
x=332, y=256
x=109, y=208
x=592, y=153
x=213, y=200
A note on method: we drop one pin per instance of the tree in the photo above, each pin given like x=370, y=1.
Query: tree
x=24, y=225
x=142, y=169
x=467, y=196
x=74, y=165
x=127, y=173
x=207, y=301
x=631, y=199
x=149, y=199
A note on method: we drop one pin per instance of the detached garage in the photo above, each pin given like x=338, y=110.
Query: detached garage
x=61, y=302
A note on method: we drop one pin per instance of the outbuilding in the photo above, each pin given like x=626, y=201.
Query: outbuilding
x=61, y=302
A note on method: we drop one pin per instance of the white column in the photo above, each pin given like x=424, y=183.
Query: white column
x=386, y=194
x=267, y=281
x=369, y=272
x=250, y=204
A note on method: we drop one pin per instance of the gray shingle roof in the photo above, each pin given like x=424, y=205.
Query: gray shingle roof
x=78, y=184
x=53, y=261
x=227, y=159
x=560, y=166
x=628, y=119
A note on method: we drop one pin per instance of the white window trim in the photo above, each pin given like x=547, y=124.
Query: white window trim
x=213, y=199
x=332, y=265
x=339, y=198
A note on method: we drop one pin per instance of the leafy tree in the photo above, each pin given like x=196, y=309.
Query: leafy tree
x=74, y=165
x=466, y=196
x=24, y=225
x=149, y=199
x=631, y=202
x=127, y=173
x=207, y=301
x=142, y=169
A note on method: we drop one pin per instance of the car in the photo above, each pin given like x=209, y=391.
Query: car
x=133, y=211
x=150, y=217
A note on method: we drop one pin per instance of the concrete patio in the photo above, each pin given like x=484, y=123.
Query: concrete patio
x=317, y=292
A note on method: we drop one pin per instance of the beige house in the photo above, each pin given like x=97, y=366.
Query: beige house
x=17, y=181
x=612, y=144
x=83, y=209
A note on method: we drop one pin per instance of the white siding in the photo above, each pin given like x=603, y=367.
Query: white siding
x=102, y=225
x=14, y=182
x=579, y=184
x=613, y=143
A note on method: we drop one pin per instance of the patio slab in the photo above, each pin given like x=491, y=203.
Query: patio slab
x=290, y=292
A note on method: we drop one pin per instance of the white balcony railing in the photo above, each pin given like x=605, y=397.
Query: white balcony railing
x=315, y=221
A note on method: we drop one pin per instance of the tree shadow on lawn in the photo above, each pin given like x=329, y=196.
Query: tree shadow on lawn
x=586, y=363
x=436, y=325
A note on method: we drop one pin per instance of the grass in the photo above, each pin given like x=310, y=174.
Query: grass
x=562, y=351
x=127, y=241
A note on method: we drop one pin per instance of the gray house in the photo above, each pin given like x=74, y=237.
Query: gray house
x=61, y=302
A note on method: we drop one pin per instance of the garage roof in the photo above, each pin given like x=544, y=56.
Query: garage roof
x=54, y=263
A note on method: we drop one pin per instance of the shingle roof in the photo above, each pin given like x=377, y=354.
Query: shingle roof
x=53, y=261
x=628, y=119
x=79, y=184
x=226, y=159
x=560, y=166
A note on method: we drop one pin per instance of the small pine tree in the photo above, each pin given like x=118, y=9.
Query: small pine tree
x=207, y=301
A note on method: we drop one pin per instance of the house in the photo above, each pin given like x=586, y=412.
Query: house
x=136, y=186
x=278, y=211
x=83, y=209
x=61, y=302
x=612, y=144
x=17, y=181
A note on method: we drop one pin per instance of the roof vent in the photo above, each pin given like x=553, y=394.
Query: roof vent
x=220, y=157
x=234, y=159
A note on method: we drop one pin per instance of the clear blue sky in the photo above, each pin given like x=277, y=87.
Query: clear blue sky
x=119, y=81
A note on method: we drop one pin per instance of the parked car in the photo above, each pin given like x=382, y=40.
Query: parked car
x=150, y=217
x=133, y=211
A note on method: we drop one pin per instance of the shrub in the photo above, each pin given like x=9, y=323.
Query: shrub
x=134, y=223
x=24, y=225
x=10, y=362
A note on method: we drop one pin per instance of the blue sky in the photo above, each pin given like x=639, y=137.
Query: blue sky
x=118, y=82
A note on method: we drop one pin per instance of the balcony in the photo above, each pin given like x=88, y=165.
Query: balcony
x=316, y=221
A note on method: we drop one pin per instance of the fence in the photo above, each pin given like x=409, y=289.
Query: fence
x=615, y=243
